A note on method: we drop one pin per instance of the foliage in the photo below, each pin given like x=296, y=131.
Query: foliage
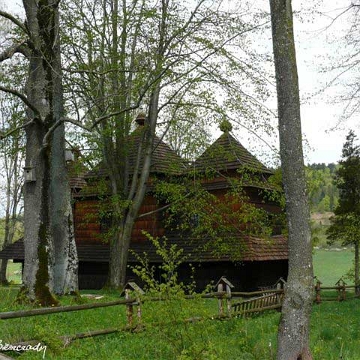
x=319, y=225
x=345, y=223
x=345, y=227
x=323, y=192
x=18, y=229
x=166, y=285
x=173, y=310
x=221, y=219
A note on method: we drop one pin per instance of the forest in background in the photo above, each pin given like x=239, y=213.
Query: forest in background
x=323, y=193
x=324, y=197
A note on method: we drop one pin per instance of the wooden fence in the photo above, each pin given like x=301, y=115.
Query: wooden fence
x=339, y=292
x=270, y=301
x=134, y=301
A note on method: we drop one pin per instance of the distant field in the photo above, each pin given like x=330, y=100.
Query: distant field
x=13, y=272
x=330, y=265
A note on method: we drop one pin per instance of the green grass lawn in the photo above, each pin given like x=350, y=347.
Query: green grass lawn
x=330, y=265
x=335, y=329
x=165, y=337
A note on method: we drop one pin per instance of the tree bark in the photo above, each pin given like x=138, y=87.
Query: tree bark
x=65, y=270
x=121, y=243
x=293, y=334
x=50, y=252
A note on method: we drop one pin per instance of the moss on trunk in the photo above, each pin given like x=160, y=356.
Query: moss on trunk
x=43, y=295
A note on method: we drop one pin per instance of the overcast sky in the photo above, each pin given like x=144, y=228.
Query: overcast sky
x=319, y=115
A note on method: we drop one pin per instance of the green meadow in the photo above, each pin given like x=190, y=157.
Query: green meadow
x=330, y=265
x=335, y=329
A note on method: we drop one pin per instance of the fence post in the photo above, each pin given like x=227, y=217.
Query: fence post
x=341, y=289
x=138, y=300
x=228, y=299
x=343, y=293
x=318, y=290
x=220, y=299
x=222, y=285
x=131, y=288
x=129, y=309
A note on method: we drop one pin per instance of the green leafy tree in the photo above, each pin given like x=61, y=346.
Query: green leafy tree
x=345, y=225
x=11, y=164
x=323, y=193
x=161, y=65
x=50, y=264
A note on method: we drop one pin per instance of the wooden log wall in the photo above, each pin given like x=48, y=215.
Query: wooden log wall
x=87, y=221
x=90, y=227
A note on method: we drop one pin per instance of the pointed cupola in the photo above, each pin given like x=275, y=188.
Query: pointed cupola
x=226, y=153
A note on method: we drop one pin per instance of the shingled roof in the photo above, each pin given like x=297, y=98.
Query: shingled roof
x=250, y=249
x=76, y=172
x=227, y=153
x=164, y=159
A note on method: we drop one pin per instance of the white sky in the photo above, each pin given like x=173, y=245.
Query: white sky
x=319, y=116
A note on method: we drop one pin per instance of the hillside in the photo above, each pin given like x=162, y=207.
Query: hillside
x=323, y=192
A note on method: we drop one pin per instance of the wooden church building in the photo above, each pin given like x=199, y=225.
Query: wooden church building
x=248, y=259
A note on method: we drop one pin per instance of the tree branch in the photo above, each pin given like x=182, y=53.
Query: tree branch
x=3, y=136
x=24, y=99
x=154, y=211
x=57, y=124
x=15, y=21
x=15, y=48
x=77, y=123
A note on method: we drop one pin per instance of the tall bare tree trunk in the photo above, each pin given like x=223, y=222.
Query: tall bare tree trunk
x=50, y=252
x=121, y=243
x=65, y=271
x=293, y=335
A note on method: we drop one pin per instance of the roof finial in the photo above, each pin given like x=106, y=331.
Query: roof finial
x=225, y=126
x=140, y=119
